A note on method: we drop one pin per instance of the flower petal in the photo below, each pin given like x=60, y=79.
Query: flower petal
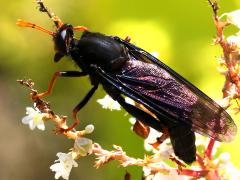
x=26, y=119
x=64, y=165
x=30, y=110
x=234, y=18
x=32, y=125
x=34, y=118
x=41, y=125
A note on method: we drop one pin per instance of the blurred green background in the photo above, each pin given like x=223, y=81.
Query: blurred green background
x=182, y=33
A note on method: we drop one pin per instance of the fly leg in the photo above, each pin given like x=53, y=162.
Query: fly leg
x=159, y=140
x=50, y=88
x=145, y=118
x=53, y=81
x=77, y=108
x=141, y=115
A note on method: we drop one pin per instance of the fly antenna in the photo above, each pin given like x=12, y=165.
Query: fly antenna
x=22, y=23
x=57, y=21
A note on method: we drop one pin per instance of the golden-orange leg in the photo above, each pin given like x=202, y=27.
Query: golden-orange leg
x=163, y=137
x=50, y=86
x=76, y=122
x=54, y=78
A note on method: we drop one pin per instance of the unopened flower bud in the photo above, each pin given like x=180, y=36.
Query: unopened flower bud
x=83, y=146
x=89, y=129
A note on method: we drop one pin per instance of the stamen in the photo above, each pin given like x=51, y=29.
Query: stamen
x=23, y=23
x=80, y=28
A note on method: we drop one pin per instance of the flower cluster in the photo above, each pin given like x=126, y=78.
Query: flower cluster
x=161, y=164
x=63, y=165
x=229, y=64
x=39, y=114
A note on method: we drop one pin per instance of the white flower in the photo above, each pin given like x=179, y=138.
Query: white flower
x=226, y=169
x=234, y=40
x=83, y=146
x=173, y=175
x=146, y=171
x=233, y=17
x=230, y=172
x=224, y=102
x=34, y=119
x=108, y=103
x=224, y=157
x=64, y=165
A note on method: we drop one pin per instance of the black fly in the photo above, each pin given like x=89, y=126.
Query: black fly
x=170, y=101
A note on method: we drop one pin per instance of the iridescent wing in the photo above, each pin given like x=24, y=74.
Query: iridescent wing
x=171, y=97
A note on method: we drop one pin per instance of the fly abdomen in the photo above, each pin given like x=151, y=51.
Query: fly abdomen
x=183, y=142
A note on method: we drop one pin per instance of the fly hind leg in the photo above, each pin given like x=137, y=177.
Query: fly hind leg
x=77, y=108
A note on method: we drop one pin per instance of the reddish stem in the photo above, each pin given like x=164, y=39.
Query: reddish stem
x=194, y=173
x=208, y=151
x=200, y=161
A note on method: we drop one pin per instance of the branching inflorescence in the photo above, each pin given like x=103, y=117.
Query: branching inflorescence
x=155, y=166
